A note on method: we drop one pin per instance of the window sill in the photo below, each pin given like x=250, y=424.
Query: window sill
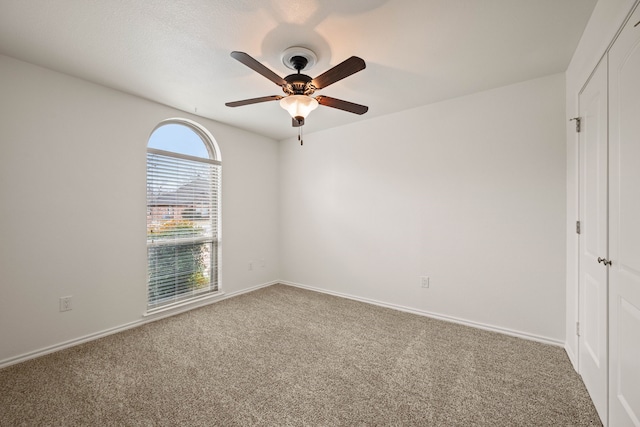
x=186, y=305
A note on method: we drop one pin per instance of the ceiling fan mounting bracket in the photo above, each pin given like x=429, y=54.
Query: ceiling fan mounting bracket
x=299, y=62
x=297, y=56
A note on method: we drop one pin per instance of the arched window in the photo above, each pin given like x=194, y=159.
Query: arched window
x=183, y=213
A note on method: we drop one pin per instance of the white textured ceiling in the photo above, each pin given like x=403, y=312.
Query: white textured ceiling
x=176, y=52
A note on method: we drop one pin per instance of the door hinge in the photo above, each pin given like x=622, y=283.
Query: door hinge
x=578, y=328
x=577, y=227
x=577, y=119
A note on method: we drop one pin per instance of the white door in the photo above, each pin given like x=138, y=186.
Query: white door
x=593, y=292
x=624, y=193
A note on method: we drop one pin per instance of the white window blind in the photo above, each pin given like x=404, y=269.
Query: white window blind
x=182, y=226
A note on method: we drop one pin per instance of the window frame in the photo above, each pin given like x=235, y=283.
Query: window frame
x=213, y=150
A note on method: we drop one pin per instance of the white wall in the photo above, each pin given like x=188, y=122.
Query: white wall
x=606, y=19
x=470, y=192
x=72, y=206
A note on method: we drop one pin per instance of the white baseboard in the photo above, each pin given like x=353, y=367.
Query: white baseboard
x=572, y=357
x=223, y=296
x=145, y=319
x=478, y=325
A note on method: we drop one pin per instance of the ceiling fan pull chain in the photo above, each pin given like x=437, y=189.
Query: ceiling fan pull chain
x=300, y=135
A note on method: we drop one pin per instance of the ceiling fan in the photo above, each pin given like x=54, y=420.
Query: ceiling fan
x=299, y=87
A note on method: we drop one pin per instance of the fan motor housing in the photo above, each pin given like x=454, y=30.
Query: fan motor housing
x=298, y=84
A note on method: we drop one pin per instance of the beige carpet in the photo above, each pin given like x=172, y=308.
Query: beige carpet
x=285, y=356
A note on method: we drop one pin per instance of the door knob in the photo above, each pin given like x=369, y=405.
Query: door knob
x=604, y=261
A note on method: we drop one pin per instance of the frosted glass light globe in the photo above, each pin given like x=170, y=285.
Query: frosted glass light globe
x=299, y=105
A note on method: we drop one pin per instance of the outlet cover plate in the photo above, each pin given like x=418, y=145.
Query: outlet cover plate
x=65, y=303
x=424, y=281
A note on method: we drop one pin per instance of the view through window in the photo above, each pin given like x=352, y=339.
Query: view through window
x=183, y=193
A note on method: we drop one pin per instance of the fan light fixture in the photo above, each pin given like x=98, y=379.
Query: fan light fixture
x=299, y=106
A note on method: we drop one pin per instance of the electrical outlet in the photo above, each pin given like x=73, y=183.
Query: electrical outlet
x=424, y=281
x=65, y=303
x=250, y=265
x=263, y=263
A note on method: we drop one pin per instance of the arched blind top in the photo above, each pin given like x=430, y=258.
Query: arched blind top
x=183, y=137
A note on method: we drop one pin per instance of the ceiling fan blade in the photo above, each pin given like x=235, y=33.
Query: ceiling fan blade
x=253, y=101
x=339, y=72
x=342, y=105
x=258, y=67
